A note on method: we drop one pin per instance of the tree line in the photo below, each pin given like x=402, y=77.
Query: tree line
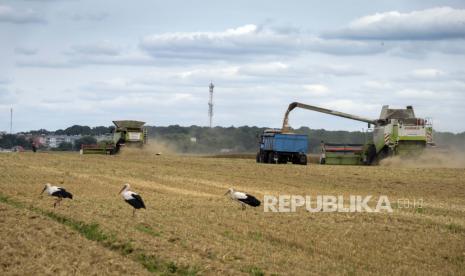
x=197, y=139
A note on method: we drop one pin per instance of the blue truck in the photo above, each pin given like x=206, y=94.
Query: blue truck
x=276, y=147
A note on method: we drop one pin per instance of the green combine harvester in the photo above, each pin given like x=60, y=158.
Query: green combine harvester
x=397, y=132
x=127, y=134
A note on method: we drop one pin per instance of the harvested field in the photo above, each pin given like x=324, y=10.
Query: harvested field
x=190, y=228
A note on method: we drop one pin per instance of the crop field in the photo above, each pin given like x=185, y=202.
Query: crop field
x=191, y=228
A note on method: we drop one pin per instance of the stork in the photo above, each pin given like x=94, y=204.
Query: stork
x=132, y=198
x=243, y=198
x=57, y=192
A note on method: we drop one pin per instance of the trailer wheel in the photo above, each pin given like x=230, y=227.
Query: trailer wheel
x=275, y=159
x=257, y=157
x=282, y=159
x=271, y=158
x=303, y=159
x=264, y=157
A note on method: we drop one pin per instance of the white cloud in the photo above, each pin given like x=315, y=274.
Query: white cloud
x=11, y=15
x=104, y=48
x=377, y=85
x=98, y=16
x=429, y=24
x=420, y=94
x=263, y=69
x=427, y=73
x=316, y=89
x=248, y=41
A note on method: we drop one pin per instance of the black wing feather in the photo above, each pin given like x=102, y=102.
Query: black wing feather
x=136, y=202
x=250, y=200
x=62, y=193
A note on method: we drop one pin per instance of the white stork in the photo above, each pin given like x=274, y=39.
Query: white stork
x=132, y=198
x=57, y=192
x=243, y=198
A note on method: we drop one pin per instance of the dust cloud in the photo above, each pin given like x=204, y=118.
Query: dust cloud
x=429, y=159
x=153, y=146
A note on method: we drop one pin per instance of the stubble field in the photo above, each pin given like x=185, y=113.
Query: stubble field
x=190, y=228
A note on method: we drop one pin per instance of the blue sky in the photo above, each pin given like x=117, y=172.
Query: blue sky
x=90, y=62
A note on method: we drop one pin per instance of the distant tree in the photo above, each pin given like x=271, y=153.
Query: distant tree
x=65, y=146
x=39, y=132
x=78, y=130
x=11, y=140
x=84, y=140
x=100, y=130
x=60, y=132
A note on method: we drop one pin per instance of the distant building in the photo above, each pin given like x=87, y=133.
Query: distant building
x=53, y=141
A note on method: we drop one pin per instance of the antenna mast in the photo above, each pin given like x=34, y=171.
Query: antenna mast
x=210, y=103
x=11, y=120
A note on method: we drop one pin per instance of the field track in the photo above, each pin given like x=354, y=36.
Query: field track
x=190, y=228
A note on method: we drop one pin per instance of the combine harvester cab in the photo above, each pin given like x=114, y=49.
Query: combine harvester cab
x=399, y=132
x=129, y=134
x=276, y=147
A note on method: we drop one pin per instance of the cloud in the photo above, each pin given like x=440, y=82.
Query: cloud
x=99, y=16
x=25, y=51
x=339, y=70
x=427, y=73
x=377, y=85
x=4, y=80
x=14, y=16
x=263, y=69
x=430, y=24
x=45, y=63
x=248, y=41
x=316, y=89
x=104, y=48
x=416, y=94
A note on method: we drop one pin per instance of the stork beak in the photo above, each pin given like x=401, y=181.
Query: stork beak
x=43, y=190
x=122, y=189
x=227, y=192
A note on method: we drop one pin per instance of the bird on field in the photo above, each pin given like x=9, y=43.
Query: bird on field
x=243, y=198
x=132, y=198
x=57, y=192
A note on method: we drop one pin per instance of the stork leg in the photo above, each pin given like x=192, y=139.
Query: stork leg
x=57, y=202
x=134, y=212
x=243, y=206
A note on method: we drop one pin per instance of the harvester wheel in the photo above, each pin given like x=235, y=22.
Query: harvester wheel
x=371, y=154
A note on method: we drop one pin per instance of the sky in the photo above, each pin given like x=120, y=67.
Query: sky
x=91, y=62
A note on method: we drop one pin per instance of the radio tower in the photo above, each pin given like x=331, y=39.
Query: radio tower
x=11, y=120
x=210, y=103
